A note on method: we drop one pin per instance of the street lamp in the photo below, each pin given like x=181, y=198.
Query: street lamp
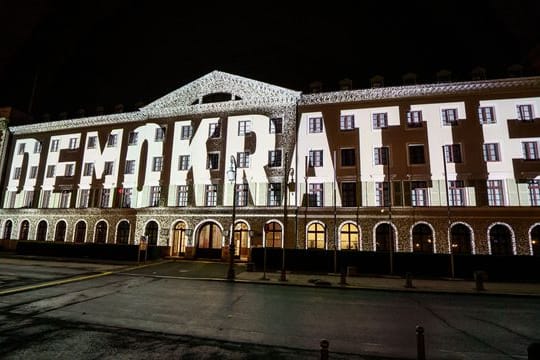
x=231, y=175
x=287, y=172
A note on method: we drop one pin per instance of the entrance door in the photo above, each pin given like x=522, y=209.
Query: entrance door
x=241, y=241
x=179, y=239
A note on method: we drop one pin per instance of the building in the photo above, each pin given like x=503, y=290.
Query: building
x=439, y=168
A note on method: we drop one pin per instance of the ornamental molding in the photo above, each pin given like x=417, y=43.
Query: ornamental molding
x=397, y=92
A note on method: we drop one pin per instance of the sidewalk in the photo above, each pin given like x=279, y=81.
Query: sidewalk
x=445, y=286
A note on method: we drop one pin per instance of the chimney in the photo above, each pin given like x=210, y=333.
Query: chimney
x=345, y=84
x=377, y=81
x=315, y=87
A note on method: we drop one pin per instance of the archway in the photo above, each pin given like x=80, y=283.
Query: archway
x=7, y=230
x=179, y=239
x=41, y=234
x=316, y=236
x=151, y=231
x=60, y=231
x=209, y=240
x=273, y=234
x=80, y=232
x=349, y=237
x=422, y=237
x=384, y=238
x=500, y=240
x=460, y=239
x=100, y=236
x=241, y=240
x=122, y=232
x=535, y=240
x=23, y=233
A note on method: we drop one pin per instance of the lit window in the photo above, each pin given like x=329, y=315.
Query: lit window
x=181, y=195
x=316, y=236
x=316, y=195
x=315, y=124
x=414, y=118
x=419, y=193
x=183, y=162
x=525, y=112
x=243, y=159
x=491, y=152
x=486, y=115
x=449, y=117
x=315, y=158
x=380, y=120
x=155, y=192
x=211, y=195
x=456, y=193
x=244, y=127
x=495, y=193
x=241, y=194
x=349, y=237
x=530, y=150
x=274, y=194
x=346, y=122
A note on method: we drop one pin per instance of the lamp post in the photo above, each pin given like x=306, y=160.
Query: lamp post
x=286, y=172
x=391, y=230
x=231, y=175
x=452, y=270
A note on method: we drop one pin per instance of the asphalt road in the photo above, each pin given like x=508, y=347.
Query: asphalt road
x=141, y=314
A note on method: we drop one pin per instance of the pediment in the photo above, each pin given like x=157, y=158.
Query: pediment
x=218, y=85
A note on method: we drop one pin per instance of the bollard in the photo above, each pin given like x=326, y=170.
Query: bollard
x=533, y=351
x=420, y=346
x=479, y=280
x=408, y=281
x=325, y=344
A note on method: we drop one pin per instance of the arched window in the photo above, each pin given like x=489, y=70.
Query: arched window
x=241, y=238
x=151, y=232
x=535, y=240
x=60, y=232
x=122, y=232
x=500, y=239
x=100, y=236
x=460, y=238
x=25, y=227
x=382, y=237
x=41, y=234
x=209, y=236
x=7, y=230
x=349, y=237
x=316, y=236
x=80, y=232
x=272, y=234
x=179, y=239
x=422, y=239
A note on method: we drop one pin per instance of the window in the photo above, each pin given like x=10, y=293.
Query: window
x=414, y=118
x=316, y=236
x=486, y=115
x=348, y=157
x=316, y=195
x=88, y=169
x=155, y=192
x=456, y=193
x=491, y=152
x=534, y=192
x=160, y=134
x=274, y=194
x=276, y=126
x=212, y=162
x=348, y=194
x=69, y=170
x=241, y=194
x=244, y=127
x=21, y=149
x=416, y=154
x=157, y=163
x=530, y=150
x=37, y=147
x=45, y=199
x=105, y=197
x=92, y=141
x=380, y=120
x=243, y=159
x=50, y=171
x=133, y=138
x=346, y=122
x=380, y=155
x=182, y=195
x=130, y=167
x=54, y=145
x=127, y=196
x=33, y=172
x=17, y=173
x=274, y=158
x=525, y=112
x=211, y=195
x=28, y=199
x=108, y=168
x=186, y=132
x=112, y=140
x=449, y=117
x=419, y=193
x=315, y=158
x=272, y=232
x=73, y=143
x=315, y=125
x=84, y=197
x=183, y=162
x=495, y=193
x=64, y=199
x=382, y=196
x=348, y=237
x=214, y=130
x=452, y=153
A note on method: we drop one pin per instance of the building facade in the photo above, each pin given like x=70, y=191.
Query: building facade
x=440, y=168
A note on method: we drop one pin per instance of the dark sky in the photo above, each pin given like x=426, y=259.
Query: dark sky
x=89, y=53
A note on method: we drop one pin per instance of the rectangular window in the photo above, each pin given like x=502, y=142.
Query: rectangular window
x=274, y=158
x=69, y=170
x=534, y=192
x=495, y=193
x=214, y=130
x=88, y=169
x=160, y=134
x=21, y=149
x=241, y=194
x=346, y=122
x=419, y=193
x=50, y=171
x=416, y=154
x=37, y=147
x=182, y=195
x=449, y=117
x=155, y=192
x=130, y=167
x=183, y=162
x=414, y=118
x=380, y=120
x=243, y=159
x=112, y=140
x=276, y=126
x=348, y=157
x=380, y=155
x=105, y=197
x=45, y=199
x=382, y=195
x=17, y=173
x=530, y=150
x=54, y=145
x=452, y=153
x=133, y=138
x=316, y=195
x=92, y=141
x=315, y=125
x=73, y=143
x=108, y=168
x=348, y=194
x=315, y=158
x=84, y=197
x=525, y=112
x=186, y=132
x=244, y=127
x=212, y=161
x=28, y=199
x=65, y=195
x=33, y=172
x=486, y=115
x=127, y=196
x=157, y=163
x=491, y=152
x=211, y=195
x=456, y=193
x=274, y=194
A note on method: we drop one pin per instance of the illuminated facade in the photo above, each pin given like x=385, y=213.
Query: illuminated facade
x=423, y=168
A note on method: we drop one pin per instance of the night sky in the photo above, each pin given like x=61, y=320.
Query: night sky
x=129, y=52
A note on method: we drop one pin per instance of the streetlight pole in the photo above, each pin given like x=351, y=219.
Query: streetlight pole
x=452, y=271
x=283, y=276
x=391, y=230
x=231, y=174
